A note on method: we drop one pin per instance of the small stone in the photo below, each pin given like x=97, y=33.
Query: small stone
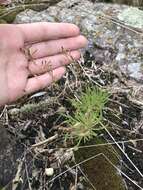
x=49, y=171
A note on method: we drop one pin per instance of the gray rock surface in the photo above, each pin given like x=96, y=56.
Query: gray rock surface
x=109, y=42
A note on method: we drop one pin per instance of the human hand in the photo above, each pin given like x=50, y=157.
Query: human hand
x=27, y=50
x=5, y=2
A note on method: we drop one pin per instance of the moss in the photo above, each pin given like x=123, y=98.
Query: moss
x=98, y=170
x=32, y=108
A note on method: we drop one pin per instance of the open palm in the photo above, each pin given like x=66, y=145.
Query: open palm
x=30, y=52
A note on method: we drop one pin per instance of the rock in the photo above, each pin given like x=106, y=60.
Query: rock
x=9, y=13
x=34, y=17
x=109, y=41
x=132, y=16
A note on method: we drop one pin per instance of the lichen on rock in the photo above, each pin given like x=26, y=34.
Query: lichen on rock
x=109, y=42
x=132, y=16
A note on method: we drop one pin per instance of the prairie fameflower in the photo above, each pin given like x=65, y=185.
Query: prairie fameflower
x=87, y=119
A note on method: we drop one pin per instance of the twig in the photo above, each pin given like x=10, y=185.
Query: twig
x=86, y=178
x=45, y=141
x=4, y=109
x=119, y=23
x=122, y=151
x=29, y=184
x=17, y=178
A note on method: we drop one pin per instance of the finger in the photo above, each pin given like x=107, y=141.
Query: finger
x=47, y=31
x=39, y=82
x=53, y=47
x=46, y=64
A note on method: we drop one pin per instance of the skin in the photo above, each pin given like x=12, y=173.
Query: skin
x=29, y=53
x=5, y=2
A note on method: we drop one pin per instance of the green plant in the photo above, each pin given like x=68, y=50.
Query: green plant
x=86, y=121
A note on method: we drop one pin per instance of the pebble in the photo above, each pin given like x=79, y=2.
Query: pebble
x=49, y=171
